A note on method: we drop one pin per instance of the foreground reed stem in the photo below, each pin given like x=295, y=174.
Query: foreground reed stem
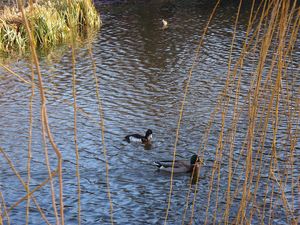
x=45, y=124
x=102, y=126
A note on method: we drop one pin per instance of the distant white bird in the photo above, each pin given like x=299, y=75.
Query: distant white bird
x=165, y=23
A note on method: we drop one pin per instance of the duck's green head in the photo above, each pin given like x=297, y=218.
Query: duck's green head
x=194, y=159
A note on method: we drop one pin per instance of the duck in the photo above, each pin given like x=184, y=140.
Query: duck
x=180, y=166
x=165, y=23
x=140, y=138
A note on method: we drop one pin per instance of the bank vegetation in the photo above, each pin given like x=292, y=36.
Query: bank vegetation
x=51, y=22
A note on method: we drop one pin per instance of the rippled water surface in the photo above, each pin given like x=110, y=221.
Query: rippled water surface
x=142, y=71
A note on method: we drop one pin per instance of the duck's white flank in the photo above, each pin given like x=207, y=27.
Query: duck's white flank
x=134, y=139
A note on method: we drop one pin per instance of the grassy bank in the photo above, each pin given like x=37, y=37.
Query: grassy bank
x=51, y=22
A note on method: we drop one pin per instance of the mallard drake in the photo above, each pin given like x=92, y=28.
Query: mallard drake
x=140, y=138
x=180, y=166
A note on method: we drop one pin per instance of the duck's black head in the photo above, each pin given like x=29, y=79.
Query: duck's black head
x=195, y=158
x=148, y=133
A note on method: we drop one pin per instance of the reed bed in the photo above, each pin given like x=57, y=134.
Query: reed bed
x=271, y=105
x=51, y=23
x=271, y=39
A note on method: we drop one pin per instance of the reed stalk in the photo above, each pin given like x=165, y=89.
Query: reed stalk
x=3, y=209
x=13, y=168
x=75, y=125
x=278, y=12
x=253, y=109
x=15, y=74
x=197, y=53
x=30, y=194
x=224, y=113
x=29, y=156
x=45, y=123
x=102, y=126
x=231, y=137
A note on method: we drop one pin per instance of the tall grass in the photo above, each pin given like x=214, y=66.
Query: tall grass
x=51, y=23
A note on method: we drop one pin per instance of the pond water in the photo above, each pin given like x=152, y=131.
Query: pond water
x=142, y=71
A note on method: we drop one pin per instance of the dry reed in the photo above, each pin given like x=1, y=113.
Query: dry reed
x=75, y=125
x=182, y=108
x=102, y=126
x=3, y=209
x=280, y=21
x=45, y=124
x=10, y=163
x=29, y=155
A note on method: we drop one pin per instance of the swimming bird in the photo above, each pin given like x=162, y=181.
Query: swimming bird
x=139, y=138
x=180, y=166
x=165, y=23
